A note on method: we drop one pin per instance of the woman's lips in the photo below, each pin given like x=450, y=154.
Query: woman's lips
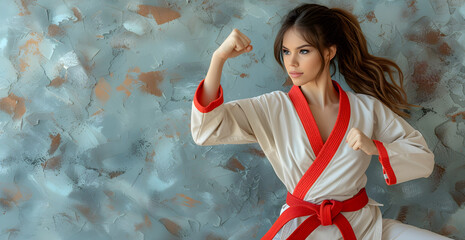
x=295, y=74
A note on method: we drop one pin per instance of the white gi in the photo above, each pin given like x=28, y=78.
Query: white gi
x=284, y=127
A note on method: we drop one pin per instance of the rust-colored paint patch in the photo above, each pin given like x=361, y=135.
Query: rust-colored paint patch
x=426, y=77
x=150, y=82
x=445, y=49
x=87, y=212
x=126, y=86
x=109, y=193
x=56, y=82
x=54, y=30
x=146, y=223
x=55, y=143
x=24, y=7
x=188, y=202
x=371, y=17
x=13, y=105
x=243, y=75
x=448, y=230
x=77, y=14
x=411, y=9
x=160, y=14
x=103, y=90
x=53, y=163
x=412, y=5
x=98, y=112
x=12, y=198
x=428, y=36
x=234, y=165
x=437, y=175
x=211, y=236
x=149, y=157
x=402, y=216
x=256, y=152
x=115, y=174
x=171, y=226
x=453, y=117
x=30, y=48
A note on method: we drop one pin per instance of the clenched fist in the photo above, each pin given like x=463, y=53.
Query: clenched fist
x=234, y=45
x=358, y=140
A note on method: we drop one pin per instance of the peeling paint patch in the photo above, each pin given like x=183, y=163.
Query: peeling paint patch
x=54, y=30
x=160, y=14
x=256, y=152
x=146, y=223
x=149, y=157
x=445, y=49
x=103, y=90
x=234, y=165
x=454, y=116
x=55, y=143
x=171, y=226
x=148, y=81
x=115, y=174
x=89, y=214
x=24, y=6
x=13, y=105
x=77, y=14
x=56, y=82
x=371, y=17
x=426, y=77
x=29, y=49
x=11, y=198
x=52, y=164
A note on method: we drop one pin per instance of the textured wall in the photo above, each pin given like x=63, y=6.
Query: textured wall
x=95, y=101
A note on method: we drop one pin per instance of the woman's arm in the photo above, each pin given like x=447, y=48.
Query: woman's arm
x=235, y=44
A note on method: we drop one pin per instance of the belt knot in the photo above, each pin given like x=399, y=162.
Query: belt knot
x=328, y=210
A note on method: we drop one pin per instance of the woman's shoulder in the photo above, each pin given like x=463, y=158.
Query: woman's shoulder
x=368, y=103
x=268, y=101
x=364, y=98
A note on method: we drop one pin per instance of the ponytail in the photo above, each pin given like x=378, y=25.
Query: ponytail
x=365, y=73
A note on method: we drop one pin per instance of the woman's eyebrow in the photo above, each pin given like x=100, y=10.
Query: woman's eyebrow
x=306, y=45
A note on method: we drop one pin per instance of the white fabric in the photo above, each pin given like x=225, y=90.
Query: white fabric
x=272, y=121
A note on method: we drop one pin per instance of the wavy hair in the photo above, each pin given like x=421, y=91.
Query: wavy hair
x=323, y=27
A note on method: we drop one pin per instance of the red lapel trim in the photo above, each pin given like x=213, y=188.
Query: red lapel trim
x=323, y=152
x=307, y=119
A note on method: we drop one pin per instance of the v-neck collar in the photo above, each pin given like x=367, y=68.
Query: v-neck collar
x=323, y=152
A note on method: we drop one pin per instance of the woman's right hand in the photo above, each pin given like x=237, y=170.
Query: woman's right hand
x=234, y=45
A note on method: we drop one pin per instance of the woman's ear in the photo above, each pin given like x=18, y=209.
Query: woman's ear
x=332, y=52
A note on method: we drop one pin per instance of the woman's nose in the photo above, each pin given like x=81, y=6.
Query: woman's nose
x=294, y=61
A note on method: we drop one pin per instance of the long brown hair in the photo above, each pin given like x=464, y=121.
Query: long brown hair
x=323, y=27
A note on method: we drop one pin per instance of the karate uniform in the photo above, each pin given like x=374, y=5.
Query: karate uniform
x=313, y=171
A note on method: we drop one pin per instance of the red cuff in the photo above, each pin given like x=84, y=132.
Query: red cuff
x=212, y=105
x=384, y=159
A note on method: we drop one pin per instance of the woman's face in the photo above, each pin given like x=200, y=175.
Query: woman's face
x=301, y=60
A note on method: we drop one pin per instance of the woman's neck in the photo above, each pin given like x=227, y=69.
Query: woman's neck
x=321, y=93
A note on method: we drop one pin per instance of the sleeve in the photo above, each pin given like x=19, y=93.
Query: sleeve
x=403, y=152
x=236, y=122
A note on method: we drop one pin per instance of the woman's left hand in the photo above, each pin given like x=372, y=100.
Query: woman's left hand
x=358, y=140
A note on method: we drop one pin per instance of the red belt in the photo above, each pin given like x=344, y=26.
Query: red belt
x=327, y=213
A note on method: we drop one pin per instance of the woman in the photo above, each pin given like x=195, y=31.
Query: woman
x=319, y=139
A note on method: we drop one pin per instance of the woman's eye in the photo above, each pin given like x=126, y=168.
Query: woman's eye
x=285, y=52
x=303, y=51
